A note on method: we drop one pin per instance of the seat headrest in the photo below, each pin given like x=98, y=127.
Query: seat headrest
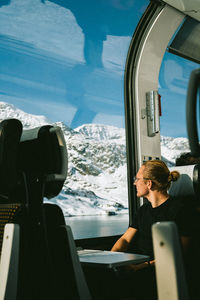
x=43, y=153
x=10, y=134
x=39, y=152
x=188, y=185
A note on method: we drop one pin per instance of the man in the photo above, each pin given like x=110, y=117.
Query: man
x=152, y=182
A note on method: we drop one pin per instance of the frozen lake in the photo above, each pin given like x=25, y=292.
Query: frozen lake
x=95, y=226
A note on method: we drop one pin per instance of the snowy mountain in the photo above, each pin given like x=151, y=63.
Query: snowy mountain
x=8, y=111
x=97, y=179
x=171, y=148
x=102, y=132
x=96, y=171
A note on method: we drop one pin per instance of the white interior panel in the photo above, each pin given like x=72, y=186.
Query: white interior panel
x=149, y=60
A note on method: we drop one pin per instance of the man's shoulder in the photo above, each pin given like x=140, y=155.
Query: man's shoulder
x=145, y=207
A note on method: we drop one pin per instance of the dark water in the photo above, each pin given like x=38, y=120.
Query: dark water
x=95, y=226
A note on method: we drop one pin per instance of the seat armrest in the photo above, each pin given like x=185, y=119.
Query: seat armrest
x=9, y=262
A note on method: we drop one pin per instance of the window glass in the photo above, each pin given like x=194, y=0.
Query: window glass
x=62, y=62
x=173, y=82
x=186, y=40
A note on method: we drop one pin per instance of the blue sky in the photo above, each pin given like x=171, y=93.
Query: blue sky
x=67, y=63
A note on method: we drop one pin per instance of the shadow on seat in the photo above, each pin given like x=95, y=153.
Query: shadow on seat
x=66, y=263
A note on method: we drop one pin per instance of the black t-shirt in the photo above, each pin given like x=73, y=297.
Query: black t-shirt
x=171, y=210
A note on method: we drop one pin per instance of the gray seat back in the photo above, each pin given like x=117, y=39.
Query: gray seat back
x=188, y=185
x=170, y=273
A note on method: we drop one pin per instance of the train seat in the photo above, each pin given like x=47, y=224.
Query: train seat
x=56, y=272
x=10, y=134
x=64, y=255
x=43, y=160
x=170, y=273
x=33, y=165
x=188, y=185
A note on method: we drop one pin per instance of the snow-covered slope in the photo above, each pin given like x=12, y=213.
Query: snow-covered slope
x=96, y=170
x=97, y=173
x=171, y=148
x=29, y=121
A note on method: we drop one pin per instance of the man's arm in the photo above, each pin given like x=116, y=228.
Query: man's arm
x=122, y=243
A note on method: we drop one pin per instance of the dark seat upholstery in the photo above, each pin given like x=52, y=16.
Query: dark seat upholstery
x=10, y=134
x=43, y=160
x=10, y=212
x=33, y=165
x=67, y=268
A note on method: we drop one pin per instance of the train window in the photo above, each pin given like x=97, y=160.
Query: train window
x=186, y=41
x=62, y=62
x=173, y=82
x=182, y=56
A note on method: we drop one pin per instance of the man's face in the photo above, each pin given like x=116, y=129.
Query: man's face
x=141, y=185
